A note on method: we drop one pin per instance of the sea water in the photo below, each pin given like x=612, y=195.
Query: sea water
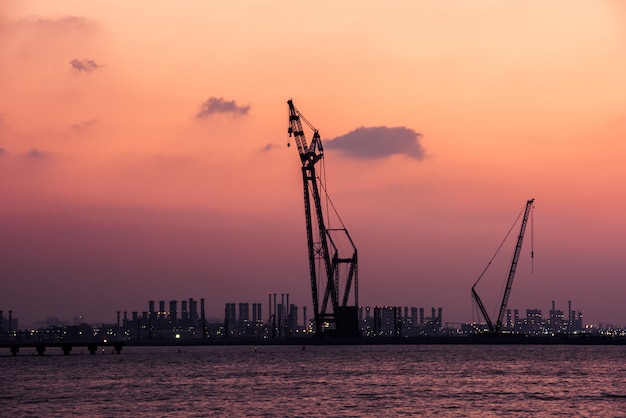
x=310, y=381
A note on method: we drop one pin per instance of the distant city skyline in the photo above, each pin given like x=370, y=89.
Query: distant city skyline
x=262, y=312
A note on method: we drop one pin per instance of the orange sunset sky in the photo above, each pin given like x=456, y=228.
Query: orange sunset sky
x=143, y=151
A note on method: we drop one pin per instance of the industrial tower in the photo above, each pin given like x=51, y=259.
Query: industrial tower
x=497, y=328
x=333, y=264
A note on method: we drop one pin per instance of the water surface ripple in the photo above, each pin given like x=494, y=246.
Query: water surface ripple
x=339, y=381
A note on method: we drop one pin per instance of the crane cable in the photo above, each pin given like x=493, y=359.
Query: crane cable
x=304, y=119
x=494, y=256
x=330, y=202
x=498, y=250
x=322, y=179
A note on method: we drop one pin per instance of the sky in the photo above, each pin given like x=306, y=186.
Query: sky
x=143, y=151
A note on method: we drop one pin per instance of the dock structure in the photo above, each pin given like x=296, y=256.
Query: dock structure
x=66, y=346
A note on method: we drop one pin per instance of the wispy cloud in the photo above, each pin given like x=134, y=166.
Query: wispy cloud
x=84, y=65
x=269, y=147
x=80, y=126
x=63, y=23
x=218, y=105
x=379, y=142
x=36, y=154
x=3, y=151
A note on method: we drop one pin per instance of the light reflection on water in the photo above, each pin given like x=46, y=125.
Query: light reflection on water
x=431, y=380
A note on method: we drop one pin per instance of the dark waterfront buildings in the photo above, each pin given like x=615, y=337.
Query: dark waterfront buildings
x=165, y=323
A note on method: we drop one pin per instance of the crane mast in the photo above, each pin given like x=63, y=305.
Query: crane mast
x=497, y=328
x=328, y=266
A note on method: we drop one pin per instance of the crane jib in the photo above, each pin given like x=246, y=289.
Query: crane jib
x=507, y=290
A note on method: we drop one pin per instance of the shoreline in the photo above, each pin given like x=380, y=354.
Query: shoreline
x=421, y=340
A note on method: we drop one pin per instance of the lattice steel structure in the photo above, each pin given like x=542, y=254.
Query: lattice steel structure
x=332, y=255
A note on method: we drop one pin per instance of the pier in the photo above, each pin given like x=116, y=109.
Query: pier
x=66, y=346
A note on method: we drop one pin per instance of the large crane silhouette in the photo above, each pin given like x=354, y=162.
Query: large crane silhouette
x=497, y=327
x=333, y=266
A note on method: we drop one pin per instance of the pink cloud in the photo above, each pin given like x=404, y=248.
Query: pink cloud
x=379, y=142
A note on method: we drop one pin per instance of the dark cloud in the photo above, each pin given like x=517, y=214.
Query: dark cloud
x=219, y=105
x=378, y=142
x=84, y=65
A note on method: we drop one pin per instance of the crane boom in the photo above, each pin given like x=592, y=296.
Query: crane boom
x=497, y=328
x=516, y=253
x=322, y=242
